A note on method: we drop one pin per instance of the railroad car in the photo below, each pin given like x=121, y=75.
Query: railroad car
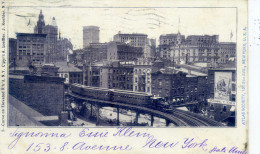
x=114, y=95
x=131, y=97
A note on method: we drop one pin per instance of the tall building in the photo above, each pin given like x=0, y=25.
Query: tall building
x=51, y=39
x=135, y=39
x=90, y=35
x=31, y=48
x=40, y=24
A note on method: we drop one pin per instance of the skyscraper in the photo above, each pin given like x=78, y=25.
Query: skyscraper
x=90, y=35
x=51, y=39
x=40, y=24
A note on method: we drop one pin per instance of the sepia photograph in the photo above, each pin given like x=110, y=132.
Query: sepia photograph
x=122, y=66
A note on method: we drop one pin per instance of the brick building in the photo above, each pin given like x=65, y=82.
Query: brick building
x=71, y=73
x=117, y=75
x=95, y=52
x=42, y=93
x=179, y=87
x=142, y=73
x=123, y=52
x=31, y=49
x=91, y=74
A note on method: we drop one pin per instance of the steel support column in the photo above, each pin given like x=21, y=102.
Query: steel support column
x=152, y=120
x=117, y=120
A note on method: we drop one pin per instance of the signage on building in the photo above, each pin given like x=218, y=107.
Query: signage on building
x=219, y=101
x=222, y=85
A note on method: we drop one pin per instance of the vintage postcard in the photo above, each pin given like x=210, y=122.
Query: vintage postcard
x=124, y=76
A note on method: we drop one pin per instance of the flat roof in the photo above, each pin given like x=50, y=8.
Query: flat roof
x=31, y=34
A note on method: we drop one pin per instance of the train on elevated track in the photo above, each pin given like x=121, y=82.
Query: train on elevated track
x=115, y=95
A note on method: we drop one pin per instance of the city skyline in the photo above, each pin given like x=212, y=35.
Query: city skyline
x=153, y=22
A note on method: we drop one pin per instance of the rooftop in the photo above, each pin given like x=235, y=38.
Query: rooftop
x=67, y=67
x=31, y=34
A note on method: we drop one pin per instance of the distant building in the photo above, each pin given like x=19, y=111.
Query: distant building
x=95, y=52
x=202, y=39
x=150, y=48
x=90, y=35
x=64, y=46
x=123, y=52
x=222, y=90
x=193, y=49
x=135, y=39
x=227, y=52
x=40, y=24
x=71, y=73
x=170, y=39
x=12, y=50
x=31, y=49
x=51, y=39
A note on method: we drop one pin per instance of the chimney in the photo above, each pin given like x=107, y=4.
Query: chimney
x=189, y=71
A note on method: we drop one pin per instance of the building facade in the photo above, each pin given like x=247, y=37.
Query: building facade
x=179, y=87
x=71, y=73
x=195, y=49
x=123, y=52
x=135, y=39
x=95, y=52
x=51, y=38
x=117, y=75
x=143, y=68
x=31, y=49
x=227, y=52
x=90, y=35
x=64, y=47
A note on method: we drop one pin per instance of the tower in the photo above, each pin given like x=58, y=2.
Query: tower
x=90, y=35
x=40, y=24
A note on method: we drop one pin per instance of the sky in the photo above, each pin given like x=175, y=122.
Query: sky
x=151, y=21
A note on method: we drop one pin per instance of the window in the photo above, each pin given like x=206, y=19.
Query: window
x=233, y=97
x=211, y=107
x=224, y=108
